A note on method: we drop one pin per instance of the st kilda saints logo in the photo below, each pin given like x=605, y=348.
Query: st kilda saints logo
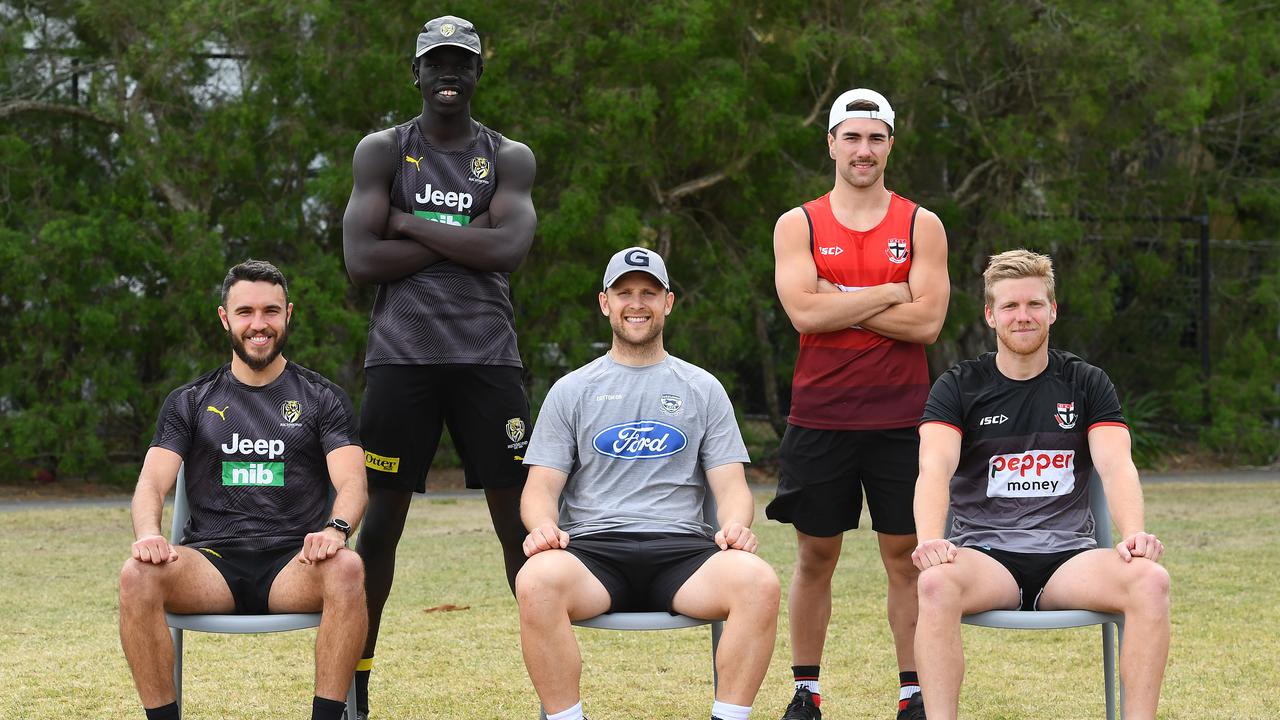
x=896, y=250
x=1066, y=415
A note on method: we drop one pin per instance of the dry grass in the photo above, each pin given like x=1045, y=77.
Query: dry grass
x=61, y=658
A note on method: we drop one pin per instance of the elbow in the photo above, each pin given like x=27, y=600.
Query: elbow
x=930, y=332
x=804, y=323
x=931, y=335
x=359, y=277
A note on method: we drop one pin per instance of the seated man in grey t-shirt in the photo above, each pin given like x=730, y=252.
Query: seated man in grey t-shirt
x=620, y=461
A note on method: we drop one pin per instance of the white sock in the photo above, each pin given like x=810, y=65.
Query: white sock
x=725, y=711
x=573, y=713
x=907, y=691
x=813, y=686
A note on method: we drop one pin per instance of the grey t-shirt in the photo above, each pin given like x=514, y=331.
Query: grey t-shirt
x=636, y=443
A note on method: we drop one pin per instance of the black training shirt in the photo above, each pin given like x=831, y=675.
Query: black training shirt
x=255, y=457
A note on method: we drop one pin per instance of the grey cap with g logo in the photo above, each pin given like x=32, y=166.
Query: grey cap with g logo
x=636, y=259
x=447, y=30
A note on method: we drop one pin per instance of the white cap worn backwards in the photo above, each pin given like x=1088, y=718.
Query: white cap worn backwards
x=840, y=108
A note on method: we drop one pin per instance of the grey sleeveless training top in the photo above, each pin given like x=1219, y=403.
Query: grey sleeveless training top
x=445, y=313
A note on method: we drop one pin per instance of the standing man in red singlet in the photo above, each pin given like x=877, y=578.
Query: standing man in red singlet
x=862, y=273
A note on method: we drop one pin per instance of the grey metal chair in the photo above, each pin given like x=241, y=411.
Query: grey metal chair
x=663, y=620
x=1112, y=623
x=236, y=624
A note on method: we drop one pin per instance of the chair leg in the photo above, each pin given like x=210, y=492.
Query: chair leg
x=350, y=713
x=176, y=633
x=1120, y=646
x=717, y=628
x=1109, y=667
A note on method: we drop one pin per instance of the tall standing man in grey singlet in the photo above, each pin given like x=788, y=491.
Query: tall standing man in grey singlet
x=440, y=215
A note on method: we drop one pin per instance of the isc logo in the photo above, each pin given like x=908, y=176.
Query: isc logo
x=253, y=474
x=992, y=420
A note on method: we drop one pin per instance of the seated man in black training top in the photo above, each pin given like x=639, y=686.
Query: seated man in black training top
x=1010, y=441
x=261, y=439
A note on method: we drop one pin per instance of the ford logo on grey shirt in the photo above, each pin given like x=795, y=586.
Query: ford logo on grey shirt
x=640, y=440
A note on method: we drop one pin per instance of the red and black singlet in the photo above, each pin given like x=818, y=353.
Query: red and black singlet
x=856, y=379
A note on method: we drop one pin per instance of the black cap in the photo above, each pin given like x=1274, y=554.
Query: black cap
x=447, y=30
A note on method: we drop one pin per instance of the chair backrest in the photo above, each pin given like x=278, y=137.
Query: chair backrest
x=709, y=510
x=180, y=509
x=1101, y=513
x=1097, y=504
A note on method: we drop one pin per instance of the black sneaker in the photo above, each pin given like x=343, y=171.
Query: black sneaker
x=802, y=707
x=914, y=709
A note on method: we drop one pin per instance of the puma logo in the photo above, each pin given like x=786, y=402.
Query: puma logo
x=220, y=413
x=416, y=163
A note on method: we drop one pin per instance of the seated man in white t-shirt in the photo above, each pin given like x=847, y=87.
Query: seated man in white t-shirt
x=621, y=458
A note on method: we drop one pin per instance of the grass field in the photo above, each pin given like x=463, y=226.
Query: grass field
x=60, y=655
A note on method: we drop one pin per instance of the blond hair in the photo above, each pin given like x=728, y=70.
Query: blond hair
x=1015, y=264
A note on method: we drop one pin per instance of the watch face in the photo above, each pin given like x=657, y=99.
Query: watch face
x=340, y=524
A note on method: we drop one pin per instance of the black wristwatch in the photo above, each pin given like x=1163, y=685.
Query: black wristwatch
x=341, y=524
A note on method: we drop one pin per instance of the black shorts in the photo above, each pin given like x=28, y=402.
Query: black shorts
x=642, y=571
x=406, y=407
x=823, y=474
x=250, y=573
x=1030, y=570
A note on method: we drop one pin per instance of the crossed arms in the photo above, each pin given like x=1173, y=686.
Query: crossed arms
x=911, y=312
x=381, y=244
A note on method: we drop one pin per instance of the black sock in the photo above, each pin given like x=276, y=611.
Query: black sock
x=362, y=685
x=806, y=676
x=164, y=712
x=909, y=682
x=326, y=709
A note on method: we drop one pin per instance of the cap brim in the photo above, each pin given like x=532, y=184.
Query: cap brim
x=610, y=281
x=429, y=48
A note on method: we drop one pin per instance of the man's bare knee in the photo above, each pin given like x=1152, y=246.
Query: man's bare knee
x=543, y=578
x=766, y=591
x=343, y=572
x=938, y=589
x=1149, y=587
x=141, y=582
x=818, y=558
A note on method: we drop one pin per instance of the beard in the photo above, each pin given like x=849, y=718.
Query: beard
x=627, y=336
x=261, y=362
x=1022, y=344
x=860, y=180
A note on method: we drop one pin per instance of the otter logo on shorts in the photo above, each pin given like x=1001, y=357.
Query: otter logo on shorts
x=640, y=440
x=291, y=410
x=479, y=168
x=1066, y=415
x=897, y=251
x=384, y=464
x=515, y=429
